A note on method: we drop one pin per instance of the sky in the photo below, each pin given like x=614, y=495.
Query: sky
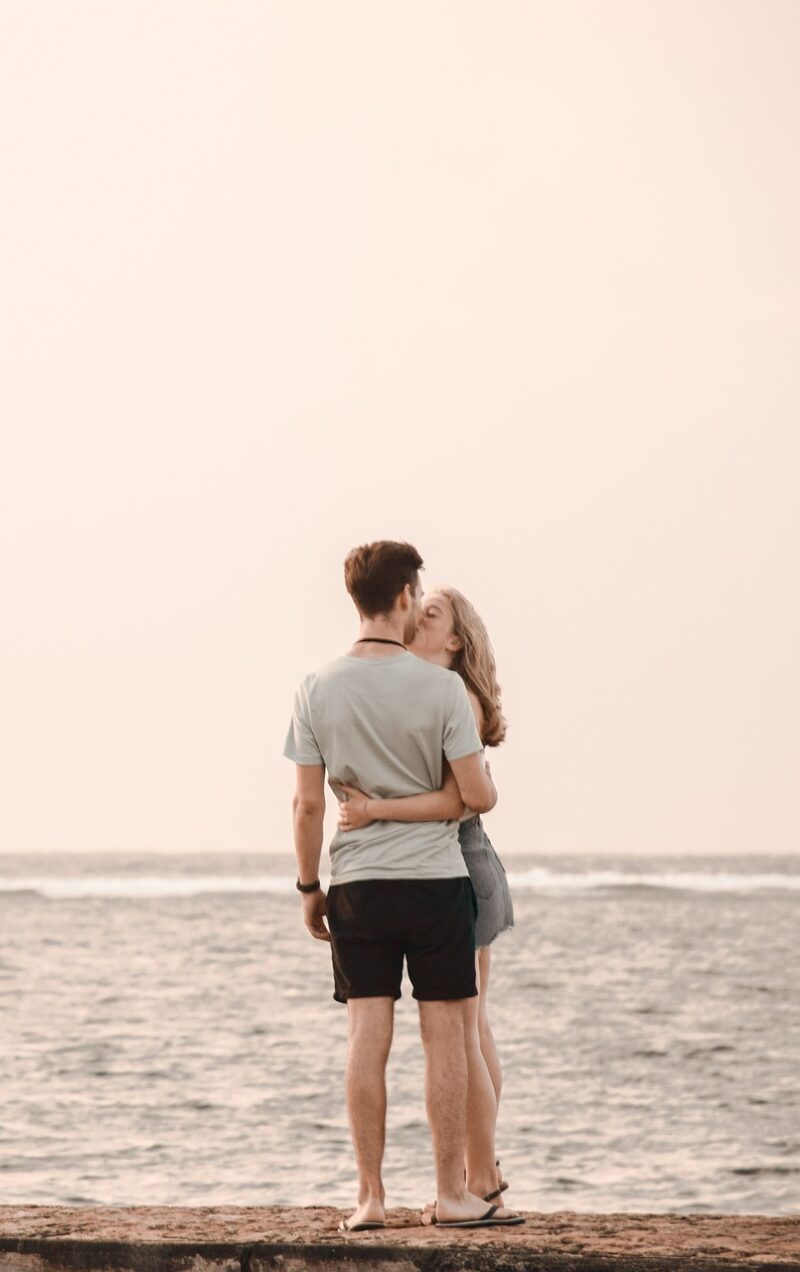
x=516, y=282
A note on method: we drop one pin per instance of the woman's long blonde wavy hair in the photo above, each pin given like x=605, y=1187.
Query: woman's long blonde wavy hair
x=475, y=664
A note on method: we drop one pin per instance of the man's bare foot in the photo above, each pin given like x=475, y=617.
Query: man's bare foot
x=455, y=1209
x=370, y=1211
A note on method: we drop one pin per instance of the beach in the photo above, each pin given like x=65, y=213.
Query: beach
x=253, y=1239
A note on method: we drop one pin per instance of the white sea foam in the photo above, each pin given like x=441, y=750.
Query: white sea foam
x=74, y=887
x=538, y=879
x=542, y=879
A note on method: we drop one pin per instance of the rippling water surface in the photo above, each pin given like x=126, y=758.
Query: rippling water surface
x=167, y=1035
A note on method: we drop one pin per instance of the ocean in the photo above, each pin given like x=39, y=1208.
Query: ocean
x=168, y=1036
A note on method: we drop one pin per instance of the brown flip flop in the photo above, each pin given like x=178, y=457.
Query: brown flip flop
x=484, y=1221
x=344, y=1226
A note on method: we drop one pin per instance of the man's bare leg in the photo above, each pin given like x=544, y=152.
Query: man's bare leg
x=443, y=1026
x=371, y=1022
x=481, y=1112
x=443, y=1029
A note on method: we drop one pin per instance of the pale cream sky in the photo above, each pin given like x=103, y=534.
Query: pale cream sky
x=519, y=282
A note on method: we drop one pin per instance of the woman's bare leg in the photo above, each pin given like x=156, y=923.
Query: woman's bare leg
x=488, y=1045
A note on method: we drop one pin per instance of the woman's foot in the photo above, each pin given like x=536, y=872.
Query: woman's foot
x=489, y=1184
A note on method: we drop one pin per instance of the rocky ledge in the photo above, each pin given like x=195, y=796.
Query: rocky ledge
x=274, y=1239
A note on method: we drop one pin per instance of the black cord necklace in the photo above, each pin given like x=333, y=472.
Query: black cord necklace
x=377, y=640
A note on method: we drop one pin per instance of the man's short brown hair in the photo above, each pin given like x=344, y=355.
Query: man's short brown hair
x=376, y=573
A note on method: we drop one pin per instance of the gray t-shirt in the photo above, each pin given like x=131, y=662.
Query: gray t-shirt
x=383, y=724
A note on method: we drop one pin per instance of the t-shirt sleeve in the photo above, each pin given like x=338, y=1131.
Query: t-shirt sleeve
x=461, y=735
x=301, y=744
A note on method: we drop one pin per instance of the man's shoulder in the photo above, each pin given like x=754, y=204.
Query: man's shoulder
x=436, y=675
x=438, y=684
x=328, y=671
x=424, y=674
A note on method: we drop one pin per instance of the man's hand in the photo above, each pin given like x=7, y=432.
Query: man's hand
x=353, y=811
x=315, y=906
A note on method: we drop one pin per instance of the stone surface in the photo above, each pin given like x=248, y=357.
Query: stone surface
x=273, y=1239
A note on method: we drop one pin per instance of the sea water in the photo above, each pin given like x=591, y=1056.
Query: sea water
x=168, y=1036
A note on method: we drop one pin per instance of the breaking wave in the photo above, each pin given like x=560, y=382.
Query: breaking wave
x=539, y=879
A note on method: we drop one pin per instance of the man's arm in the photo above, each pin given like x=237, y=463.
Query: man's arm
x=442, y=805
x=308, y=809
x=462, y=740
x=474, y=783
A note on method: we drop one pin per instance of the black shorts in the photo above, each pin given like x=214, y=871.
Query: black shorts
x=376, y=923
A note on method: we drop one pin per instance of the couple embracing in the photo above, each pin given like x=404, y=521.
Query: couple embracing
x=400, y=723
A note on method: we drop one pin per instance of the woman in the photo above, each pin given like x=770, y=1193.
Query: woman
x=452, y=634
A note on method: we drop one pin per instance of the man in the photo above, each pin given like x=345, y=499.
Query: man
x=381, y=719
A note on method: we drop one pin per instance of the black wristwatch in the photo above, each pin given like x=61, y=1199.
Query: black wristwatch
x=308, y=887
